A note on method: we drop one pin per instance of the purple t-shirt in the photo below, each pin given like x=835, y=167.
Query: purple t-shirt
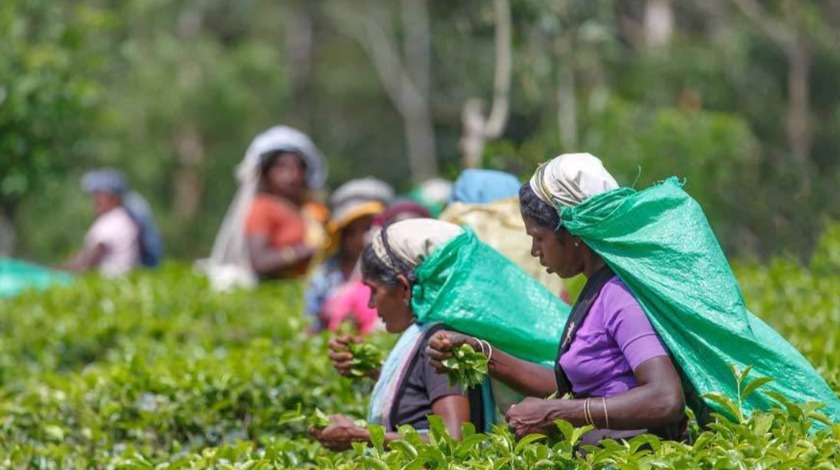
x=615, y=337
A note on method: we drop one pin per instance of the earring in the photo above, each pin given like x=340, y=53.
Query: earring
x=577, y=244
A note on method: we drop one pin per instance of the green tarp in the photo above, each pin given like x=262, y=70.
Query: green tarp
x=476, y=290
x=659, y=242
x=17, y=276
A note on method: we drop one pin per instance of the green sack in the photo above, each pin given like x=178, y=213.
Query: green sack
x=660, y=244
x=476, y=290
x=17, y=276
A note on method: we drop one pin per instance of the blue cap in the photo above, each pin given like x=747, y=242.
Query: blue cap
x=475, y=186
x=104, y=180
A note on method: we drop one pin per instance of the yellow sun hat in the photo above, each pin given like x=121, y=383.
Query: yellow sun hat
x=345, y=215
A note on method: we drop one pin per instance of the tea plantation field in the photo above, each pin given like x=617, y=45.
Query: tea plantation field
x=157, y=371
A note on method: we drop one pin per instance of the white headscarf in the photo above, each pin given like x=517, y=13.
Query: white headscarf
x=411, y=241
x=229, y=264
x=571, y=178
x=283, y=138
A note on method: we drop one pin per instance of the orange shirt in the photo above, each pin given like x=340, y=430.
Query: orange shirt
x=280, y=221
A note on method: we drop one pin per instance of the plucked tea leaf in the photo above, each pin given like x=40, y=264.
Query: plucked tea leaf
x=466, y=367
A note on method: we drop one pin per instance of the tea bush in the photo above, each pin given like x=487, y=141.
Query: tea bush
x=158, y=372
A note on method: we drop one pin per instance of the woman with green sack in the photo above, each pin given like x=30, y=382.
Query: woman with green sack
x=658, y=324
x=407, y=388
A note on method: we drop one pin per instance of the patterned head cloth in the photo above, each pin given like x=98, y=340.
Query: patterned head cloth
x=403, y=245
x=571, y=178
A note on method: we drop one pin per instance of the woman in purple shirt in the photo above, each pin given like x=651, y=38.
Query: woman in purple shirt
x=610, y=359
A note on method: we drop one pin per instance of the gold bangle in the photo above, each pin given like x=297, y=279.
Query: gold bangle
x=587, y=417
x=606, y=414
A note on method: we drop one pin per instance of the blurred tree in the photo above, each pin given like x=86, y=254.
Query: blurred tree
x=48, y=96
x=476, y=128
x=205, y=77
x=794, y=26
x=300, y=26
x=172, y=91
x=405, y=76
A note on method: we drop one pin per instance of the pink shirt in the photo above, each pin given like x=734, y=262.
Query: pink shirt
x=615, y=337
x=119, y=234
x=350, y=302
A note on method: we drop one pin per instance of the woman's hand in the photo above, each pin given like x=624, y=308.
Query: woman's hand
x=440, y=345
x=527, y=378
x=340, y=434
x=341, y=356
x=532, y=416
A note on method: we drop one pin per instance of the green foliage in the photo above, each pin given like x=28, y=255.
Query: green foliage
x=48, y=91
x=172, y=92
x=158, y=363
x=801, y=302
x=467, y=366
x=157, y=371
x=367, y=357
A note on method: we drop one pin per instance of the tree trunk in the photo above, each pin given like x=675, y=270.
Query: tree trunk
x=402, y=69
x=420, y=140
x=789, y=34
x=300, y=30
x=658, y=22
x=472, y=140
x=417, y=42
x=419, y=130
x=189, y=180
x=476, y=129
x=797, y=123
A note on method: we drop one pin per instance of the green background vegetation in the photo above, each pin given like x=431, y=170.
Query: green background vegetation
x=172, y=91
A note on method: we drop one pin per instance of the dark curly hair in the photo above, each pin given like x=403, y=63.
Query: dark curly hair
x=537, y=209
x=374, y=269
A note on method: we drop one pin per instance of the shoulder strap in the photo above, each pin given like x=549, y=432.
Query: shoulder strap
x=401, y=387
x=579, y=312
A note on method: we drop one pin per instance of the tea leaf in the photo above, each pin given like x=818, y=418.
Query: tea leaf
x=527, y=440
x=318, y=419
x=377, y=436
x=366, y=358
x=466, y=367
x=754, y=385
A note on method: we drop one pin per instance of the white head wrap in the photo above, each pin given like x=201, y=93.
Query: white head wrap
x=571, y=178
x=229, y=264
x=362, y=190
x=283, y=138
x=411, y=241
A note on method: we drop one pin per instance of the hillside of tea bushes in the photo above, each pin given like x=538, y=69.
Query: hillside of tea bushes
x=158, y=372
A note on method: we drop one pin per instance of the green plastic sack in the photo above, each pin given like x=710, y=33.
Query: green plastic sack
x=660, y=244
x=17, y=276
x=478, y=291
